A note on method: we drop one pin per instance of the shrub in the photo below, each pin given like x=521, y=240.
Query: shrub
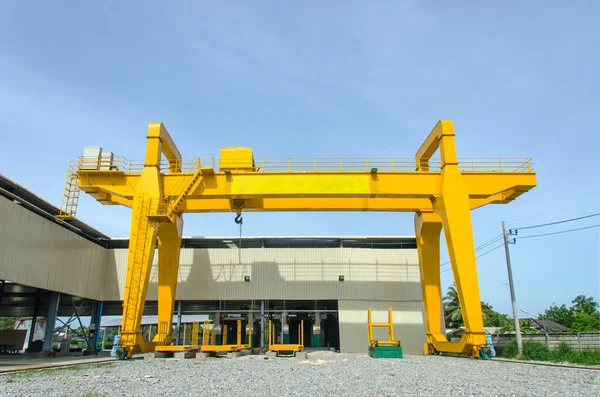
x=536, y=351
x=562, y=353
x=509, y=350
x=540, y=352
x=586, y=357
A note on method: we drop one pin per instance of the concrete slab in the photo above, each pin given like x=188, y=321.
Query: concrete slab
x=183, y=355
x=301, y=356
x=233, y=355
x=149, y=356
x=271, y=354
x=31, y=361
x=202, y=356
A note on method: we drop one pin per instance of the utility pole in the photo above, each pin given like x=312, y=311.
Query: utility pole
x=512, y=291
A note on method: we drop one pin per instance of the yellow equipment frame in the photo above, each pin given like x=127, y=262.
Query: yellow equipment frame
x=389, y=325
x=288, y=347
x=214, y=348
x=441, y=193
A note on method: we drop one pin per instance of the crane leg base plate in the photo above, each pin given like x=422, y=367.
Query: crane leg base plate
x=385, y=351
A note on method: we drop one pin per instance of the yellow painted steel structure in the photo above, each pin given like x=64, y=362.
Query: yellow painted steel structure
x=286, y=347
x=390, y=327
x=180, y=348
x=441, y=192
x=225, y=347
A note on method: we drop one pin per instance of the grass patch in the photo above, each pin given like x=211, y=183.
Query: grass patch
x=563, y=353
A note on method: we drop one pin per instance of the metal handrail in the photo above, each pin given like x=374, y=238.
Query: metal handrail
x=309, y=165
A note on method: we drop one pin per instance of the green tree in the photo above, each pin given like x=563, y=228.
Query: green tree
x=586, y=323
x=7, y=323
x=559, y=314
x=452, y=312
x=526, y=327
x=491, y=318
x=583, y=304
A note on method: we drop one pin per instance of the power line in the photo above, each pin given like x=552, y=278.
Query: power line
x=493, y=249
x=484, y=245
x=563, y=231
x=479, y=256
x=499, y=237
x=558, y=222
x=553, y=212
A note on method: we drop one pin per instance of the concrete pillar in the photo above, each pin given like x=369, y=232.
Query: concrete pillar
x=177, y=340
x=262, y=323
x=33, y=321
x=51, y=321
x=218, y=329
x=96, y=318
x=250, y=329
x=285, y=329
x=317, y=337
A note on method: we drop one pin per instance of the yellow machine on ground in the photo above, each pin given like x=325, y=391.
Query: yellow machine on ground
x=283, y=348
x=440, y=192
x=390, y=348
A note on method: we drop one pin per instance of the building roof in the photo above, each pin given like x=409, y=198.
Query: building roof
x=34, y=203
x=548, y=324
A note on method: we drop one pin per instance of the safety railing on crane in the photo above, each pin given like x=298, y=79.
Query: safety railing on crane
x=122, y=164
x=388, y=165
x=308, y=165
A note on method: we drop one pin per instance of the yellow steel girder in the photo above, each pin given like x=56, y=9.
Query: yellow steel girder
x=440, y=192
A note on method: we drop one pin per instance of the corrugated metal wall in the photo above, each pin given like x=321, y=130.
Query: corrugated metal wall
x=41, y=254
x=409, y=324
x=283, y=273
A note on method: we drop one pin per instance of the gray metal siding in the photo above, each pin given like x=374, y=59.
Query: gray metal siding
x=409, y=324
x=283, y=273
x=41, y=254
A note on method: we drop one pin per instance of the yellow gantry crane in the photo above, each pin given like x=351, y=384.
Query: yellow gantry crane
x=441, y=193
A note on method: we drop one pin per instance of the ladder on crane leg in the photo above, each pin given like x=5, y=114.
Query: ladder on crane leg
x=136, y=283
x=70, y=199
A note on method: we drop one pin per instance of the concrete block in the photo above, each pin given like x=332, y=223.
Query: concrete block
x=149, y=356
x=202, y=356
x=233, y=355
x=163, y=354
x=271, y=354
x=246, y=352
x=182, y=355
x=301, y=356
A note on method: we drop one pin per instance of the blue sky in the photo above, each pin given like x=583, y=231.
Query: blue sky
x=304, y=79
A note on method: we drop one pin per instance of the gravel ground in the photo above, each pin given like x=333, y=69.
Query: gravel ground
x=323, y=374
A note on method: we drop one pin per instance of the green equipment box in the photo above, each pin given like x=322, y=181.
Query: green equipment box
x=385, y=351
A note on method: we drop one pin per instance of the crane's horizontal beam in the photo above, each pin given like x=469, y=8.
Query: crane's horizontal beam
x=312, y=192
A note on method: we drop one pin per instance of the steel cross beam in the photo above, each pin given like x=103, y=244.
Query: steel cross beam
x=441, y=193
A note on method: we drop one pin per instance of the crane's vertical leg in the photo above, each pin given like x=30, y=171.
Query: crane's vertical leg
x=169, y=247
x=428, y=227
x=142, y=242
x=453, y=208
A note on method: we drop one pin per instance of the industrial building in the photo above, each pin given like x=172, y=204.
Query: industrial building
x=52, y=268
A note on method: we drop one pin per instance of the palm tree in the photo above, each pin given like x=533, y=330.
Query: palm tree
x=452, y=312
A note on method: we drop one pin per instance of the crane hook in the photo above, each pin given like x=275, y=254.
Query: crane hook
x=238, y=219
